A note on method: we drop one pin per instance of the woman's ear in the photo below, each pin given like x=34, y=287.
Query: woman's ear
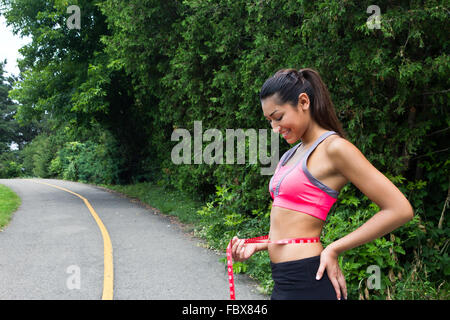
x=303, y=101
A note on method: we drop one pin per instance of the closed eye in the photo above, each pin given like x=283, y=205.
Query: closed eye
x=278, y=120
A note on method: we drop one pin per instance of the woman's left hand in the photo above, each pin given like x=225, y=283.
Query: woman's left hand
x=329, y=262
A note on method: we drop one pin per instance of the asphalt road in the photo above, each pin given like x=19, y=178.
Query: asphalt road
x=53, y=249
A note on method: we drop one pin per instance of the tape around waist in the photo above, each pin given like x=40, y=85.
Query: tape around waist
x=263, y=239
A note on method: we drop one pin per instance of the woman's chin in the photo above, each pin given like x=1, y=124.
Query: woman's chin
x=290, y=138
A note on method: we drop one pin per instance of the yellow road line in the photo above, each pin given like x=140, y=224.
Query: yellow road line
x=108, y=272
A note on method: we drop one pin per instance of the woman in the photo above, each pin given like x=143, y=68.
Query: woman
x=305, y=185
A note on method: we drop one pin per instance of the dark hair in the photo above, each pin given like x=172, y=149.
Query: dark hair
x=287, y=84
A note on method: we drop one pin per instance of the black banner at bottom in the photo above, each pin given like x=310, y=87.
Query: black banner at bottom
x=207, y=309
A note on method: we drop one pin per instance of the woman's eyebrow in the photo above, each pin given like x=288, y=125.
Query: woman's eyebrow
x=272, y=113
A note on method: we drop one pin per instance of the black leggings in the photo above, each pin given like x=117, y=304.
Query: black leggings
x=296, y=280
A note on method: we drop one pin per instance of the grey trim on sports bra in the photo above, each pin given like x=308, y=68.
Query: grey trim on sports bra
x=290, y=153
x=277, y=190
x=285, y=158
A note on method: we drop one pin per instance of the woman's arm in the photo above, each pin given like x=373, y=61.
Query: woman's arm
x=395, y=208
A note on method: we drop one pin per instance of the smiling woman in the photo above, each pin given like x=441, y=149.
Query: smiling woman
x=9, y=202
x=306, y=184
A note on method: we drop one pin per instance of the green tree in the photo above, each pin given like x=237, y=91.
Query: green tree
x=66, y=76
x=8, y=125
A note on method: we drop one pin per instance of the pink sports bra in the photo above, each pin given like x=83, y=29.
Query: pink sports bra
x=295, y=188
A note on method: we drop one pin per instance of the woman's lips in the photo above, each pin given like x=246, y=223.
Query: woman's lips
x=285, y=133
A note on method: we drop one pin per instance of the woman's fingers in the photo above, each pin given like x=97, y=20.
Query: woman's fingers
x=240, y=248
x=342, y=284
x=320, y=271
x=329, y=263
x=237, y=248
x=337, y=280
x=337, y=287
x=235, y=244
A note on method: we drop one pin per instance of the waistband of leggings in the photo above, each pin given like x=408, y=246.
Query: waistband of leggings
x=313, y=259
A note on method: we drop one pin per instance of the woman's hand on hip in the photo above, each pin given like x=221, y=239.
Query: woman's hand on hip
x=329, y=262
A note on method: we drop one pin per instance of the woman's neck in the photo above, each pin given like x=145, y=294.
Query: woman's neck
x=312, y=133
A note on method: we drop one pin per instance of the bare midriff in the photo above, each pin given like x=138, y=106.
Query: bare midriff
x=286, y=223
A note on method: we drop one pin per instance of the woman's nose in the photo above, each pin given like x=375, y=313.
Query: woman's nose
x=276, y=129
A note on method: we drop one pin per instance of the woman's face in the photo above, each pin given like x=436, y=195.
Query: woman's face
x=286, y=120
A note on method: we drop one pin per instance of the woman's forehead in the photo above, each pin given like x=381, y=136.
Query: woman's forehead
x=270, y=104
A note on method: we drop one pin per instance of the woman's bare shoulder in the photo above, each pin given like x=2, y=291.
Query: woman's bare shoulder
x=335, y=144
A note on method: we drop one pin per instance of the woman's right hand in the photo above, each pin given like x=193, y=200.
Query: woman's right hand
x=241, y=251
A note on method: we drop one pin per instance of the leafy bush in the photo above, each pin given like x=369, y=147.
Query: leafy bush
x=37, y=156
x=10, y=165
x=10, y=169
x=86, y=162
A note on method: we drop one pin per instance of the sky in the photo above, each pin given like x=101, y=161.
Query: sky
x=9, y=47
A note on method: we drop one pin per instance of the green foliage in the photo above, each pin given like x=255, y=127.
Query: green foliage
x=94, y=160
x=8, y=126
x=37, y=156
x=223, y=218
x=86, y=162
x=56, y=168
x=9, y=168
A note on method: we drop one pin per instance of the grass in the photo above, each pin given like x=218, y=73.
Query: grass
x=9, y=202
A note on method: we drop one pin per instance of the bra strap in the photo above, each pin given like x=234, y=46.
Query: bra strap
x=316, y=143
x=288, y=155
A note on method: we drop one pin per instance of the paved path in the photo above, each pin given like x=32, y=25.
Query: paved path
x=53, y=244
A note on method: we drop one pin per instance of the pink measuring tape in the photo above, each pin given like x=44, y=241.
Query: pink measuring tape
x=263, y=239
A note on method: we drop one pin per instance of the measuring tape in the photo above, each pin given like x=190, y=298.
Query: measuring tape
x=263, y=239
